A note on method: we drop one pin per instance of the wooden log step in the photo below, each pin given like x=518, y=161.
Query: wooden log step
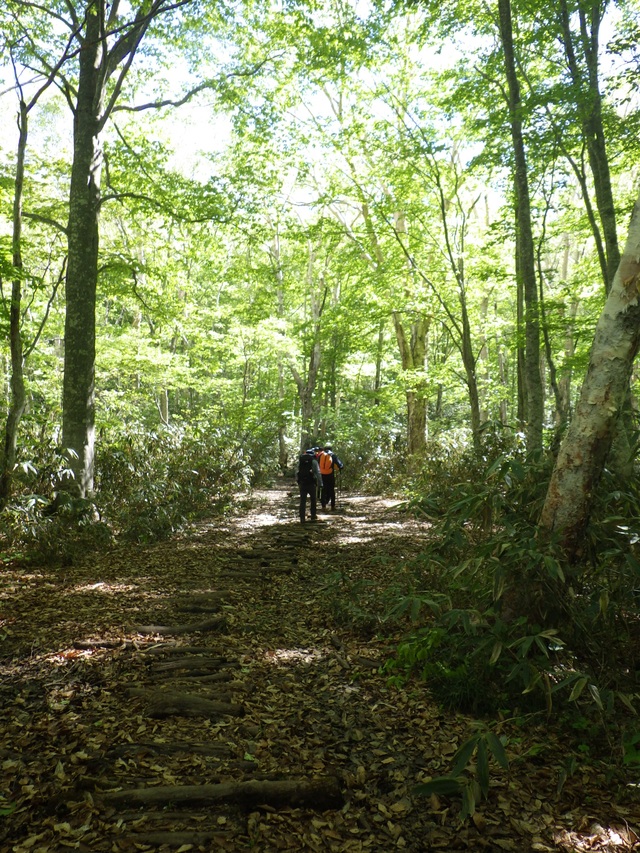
x=322, y=792
x=211, y=597
x=186, y=607
x=104, y=644
x=200, y=663
x=176, y=649
x=155, y=748
x=167, y=704
x=191, y=677
x=186, y=838
x=216, y=624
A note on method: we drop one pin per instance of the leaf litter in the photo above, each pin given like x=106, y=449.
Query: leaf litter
x=320, y=752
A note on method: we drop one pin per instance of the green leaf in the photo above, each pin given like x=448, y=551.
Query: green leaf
x=499, y=582
x=566, y=682
x=468, y=802
x=578, y=687
x=595, y=693
x=463, y=755
x=482, y=767
x=626, y=701
x=604, y=601
x=497, y=750
x=542, y=646
x=496, y=652
x=447, y=786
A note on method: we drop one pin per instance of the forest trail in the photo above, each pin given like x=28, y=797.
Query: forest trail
x=222, y=691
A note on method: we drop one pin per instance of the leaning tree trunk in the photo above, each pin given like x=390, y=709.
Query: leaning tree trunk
x=588, y=439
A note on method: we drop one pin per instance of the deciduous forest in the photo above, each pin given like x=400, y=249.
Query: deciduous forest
x=231, y=232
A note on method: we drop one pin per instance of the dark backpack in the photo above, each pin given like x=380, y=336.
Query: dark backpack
x=305, y=468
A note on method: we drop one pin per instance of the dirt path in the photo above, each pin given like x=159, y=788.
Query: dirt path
x=222, y=692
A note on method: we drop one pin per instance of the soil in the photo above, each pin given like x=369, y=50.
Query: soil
x=229, y=690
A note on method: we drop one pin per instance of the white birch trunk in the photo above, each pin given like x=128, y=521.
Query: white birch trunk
x=588, y=439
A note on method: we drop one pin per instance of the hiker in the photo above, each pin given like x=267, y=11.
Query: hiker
x=308, y=478
x=329, y=464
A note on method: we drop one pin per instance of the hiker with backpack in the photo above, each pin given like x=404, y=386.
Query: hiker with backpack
x=329, y=464
x=309, y=478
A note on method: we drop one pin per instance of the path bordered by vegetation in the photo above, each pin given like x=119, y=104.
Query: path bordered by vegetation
x=223, y=692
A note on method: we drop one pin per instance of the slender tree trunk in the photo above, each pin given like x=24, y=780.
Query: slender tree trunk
x=306, y=383
x=588, y=99
x=18, y=394
x=413, y=350
x=588, y=439
x=283, y=456
x=525, y=254
x=521, y=379
x=469, y=362
x=379, y=353
x=548, y=352
x=502, y=368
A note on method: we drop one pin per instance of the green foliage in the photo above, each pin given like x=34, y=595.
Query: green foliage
x=503, y=622
x=150, y=485
x=478, y=664
x=468, y=778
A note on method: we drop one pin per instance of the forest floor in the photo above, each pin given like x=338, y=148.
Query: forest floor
x=221, y=691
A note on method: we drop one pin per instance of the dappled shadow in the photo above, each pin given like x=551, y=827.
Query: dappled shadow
x=304, y=647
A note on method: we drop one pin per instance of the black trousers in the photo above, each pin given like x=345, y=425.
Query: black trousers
x=308, y=487
x=328, y=490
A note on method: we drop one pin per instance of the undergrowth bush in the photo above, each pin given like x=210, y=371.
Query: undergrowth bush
x=148, y=486
x=522, y=629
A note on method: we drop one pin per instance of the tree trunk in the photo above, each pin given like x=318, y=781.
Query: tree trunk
x=306, y=384
x=97, y=65
x=525, y=271
x=588, y=439
x=18, y=394
x=78, y=423
x=413, y=351
x=469, y=362
x=588, y=99
x=379, y=353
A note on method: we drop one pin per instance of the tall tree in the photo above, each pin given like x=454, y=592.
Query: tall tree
x=107, y=42
x=525, y=258
x=16, y=344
